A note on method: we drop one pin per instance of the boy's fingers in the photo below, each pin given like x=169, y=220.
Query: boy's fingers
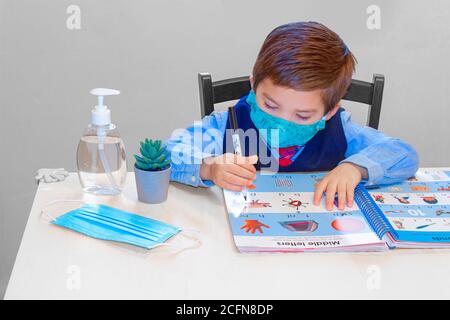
x=241, y=159
x=228, y=158
x=244, y=162
x=241, y=172
x=230, y=186
x=252, y=159
x=342, y=192
x=249, y=160
x=234, y=179
x=248, y=167
x=330, y=194
x=318, y=193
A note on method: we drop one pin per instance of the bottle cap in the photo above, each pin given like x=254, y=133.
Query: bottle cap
x=101, y=115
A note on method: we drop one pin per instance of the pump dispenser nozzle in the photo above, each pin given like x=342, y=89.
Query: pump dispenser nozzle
x=101, y=115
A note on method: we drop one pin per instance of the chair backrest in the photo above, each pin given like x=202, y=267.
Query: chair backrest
x=370, y=93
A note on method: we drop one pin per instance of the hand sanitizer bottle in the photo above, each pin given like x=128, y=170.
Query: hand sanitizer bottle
x=101, y=162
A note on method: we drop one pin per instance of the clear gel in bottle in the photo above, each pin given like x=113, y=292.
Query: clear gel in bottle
x=101, y=160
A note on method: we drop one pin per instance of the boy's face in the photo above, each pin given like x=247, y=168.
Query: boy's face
x=302, y=107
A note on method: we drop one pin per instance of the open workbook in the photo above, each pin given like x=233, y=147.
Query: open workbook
x=279, y=215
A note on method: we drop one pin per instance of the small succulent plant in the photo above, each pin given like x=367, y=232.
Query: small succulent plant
x=154, y=156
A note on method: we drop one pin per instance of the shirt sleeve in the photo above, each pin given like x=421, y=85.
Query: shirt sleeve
x=387, y=160
x=191, y=145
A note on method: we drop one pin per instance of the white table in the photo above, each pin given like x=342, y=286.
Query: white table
x=54, y=263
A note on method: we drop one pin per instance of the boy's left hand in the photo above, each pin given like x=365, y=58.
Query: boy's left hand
x=341, y=180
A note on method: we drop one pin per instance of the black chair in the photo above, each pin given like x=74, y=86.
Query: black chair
x=370, y=93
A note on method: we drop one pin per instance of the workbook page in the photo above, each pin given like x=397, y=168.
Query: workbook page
x=418, y=206
x=279, y=215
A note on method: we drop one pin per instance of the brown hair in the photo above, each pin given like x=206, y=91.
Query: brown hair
x=306, y=56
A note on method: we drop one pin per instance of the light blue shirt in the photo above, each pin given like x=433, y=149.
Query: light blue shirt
x=387, y=160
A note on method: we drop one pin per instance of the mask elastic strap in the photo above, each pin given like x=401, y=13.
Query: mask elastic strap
x=197, y=243
x=55, y=202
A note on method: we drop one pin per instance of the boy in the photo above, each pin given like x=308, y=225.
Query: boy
x=301, y=73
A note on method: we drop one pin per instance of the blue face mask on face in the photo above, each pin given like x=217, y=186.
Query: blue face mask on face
x=289, y=133
x=107, y=223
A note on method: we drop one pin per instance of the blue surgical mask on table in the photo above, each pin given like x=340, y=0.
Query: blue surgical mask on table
x=107, y=223
x=289, y=133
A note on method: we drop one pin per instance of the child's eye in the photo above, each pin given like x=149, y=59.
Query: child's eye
x=302, y=118
x=268, y=106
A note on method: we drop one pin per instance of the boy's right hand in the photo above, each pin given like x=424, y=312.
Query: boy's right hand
x=229, y=171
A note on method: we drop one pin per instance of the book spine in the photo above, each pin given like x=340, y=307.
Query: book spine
x=372, y=212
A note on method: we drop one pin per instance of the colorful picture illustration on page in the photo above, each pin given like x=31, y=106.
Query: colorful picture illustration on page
x=253, y=225
x=348, y=224
x=300, y=226
x=421, y=203
x=279, y=215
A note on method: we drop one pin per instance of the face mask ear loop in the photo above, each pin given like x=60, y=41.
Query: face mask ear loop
x=194, y=235
x=184, y=232
x=52, y=203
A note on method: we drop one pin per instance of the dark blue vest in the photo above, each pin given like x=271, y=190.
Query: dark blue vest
x=322, y=153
